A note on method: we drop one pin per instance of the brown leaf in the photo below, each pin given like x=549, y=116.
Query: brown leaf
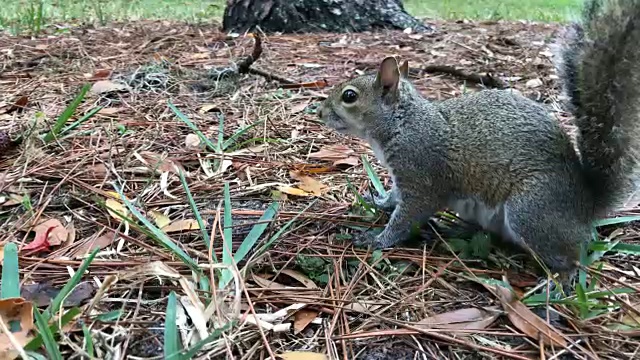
x=332, y=152
x=303, y=279
x=293, y=191
x=462, y=319
x=309, y=184
x=351, y=161
x=299, y=107
x=101, y=74
x=16, y=311
x=302, y=318
x=268, y=284
x=160, y=163
x=181, y=225
x=41, y=294
x=58, y=233
x=100, y=242
x=526, y=321
x=109, y=111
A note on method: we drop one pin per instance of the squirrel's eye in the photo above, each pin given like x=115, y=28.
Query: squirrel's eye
x=349, y=96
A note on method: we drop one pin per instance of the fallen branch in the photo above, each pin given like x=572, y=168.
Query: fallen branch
x=244, y=66
x=485, y=80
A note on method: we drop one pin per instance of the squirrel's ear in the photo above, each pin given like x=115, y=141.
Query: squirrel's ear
x=388, y=75
x=404, y=69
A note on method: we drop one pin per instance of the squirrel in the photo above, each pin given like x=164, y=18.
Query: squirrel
x=498, y=158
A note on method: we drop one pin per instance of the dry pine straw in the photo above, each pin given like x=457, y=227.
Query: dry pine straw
x=65, y=179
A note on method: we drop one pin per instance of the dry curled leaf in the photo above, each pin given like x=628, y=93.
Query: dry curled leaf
x=192, y=141
x=332, y=152
x=309, y=184
x=303, y=279
x=299, y=107
x=99, y=242
x=528, y=322
x=463, y=319
x=41, y=294
x=302, y=318
x=159, y=163
x=51, y=230
x=293, y=191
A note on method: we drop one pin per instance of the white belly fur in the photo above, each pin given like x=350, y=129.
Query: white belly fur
x=474, y=210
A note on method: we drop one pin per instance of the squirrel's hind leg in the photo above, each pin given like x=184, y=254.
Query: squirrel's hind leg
x=545, y=223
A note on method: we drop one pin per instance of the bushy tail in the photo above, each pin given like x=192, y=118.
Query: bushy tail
x=600, y=69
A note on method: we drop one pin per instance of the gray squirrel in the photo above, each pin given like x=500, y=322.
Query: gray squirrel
x=501, y=160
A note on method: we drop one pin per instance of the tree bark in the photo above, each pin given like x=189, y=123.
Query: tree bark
x=307, y=16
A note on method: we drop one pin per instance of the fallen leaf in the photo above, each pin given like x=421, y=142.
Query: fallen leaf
x=332, y=152
x=71, y=231
x=181, y=225
x=351, y=161
x=262, y=282
x=192, y=141
x=302, y=355
x=293, y=191
x=41, y=294
x=19, y=104
x=48, y=233
x=100, y=74
x=159, y=163
x=309, y=184
x=526, y=321
x=461, y=319
x=109, y=111
x=299, y=107
x=11, y=199
x=207, y=108
x=116, y=209
x=104, y=86
x=100, y=242
x=17, y=314
x=303, y=279
x=302, y=318
x=160, y=219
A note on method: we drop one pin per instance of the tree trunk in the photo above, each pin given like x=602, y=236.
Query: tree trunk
x=339, y=16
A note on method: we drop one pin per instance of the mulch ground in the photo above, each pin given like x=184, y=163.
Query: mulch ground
x=337, y=300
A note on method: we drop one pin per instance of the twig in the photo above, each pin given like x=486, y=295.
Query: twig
x=485, y=80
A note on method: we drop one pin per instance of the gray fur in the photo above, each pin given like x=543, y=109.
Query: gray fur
x=500, y=159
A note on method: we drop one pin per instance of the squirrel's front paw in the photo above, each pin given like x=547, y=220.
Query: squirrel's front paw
x=366, y=239
x=384, y=203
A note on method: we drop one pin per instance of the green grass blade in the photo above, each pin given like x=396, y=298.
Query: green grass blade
x=192, y=126
x=80, y=121
x=220, y=133
x=171, y=347
x=159, y=235
x=227, y=243
x=251, y=239
x=54, y=328
x=375, y=180
x=50, y=344
x=66, y=114
x=10, y=287
x=615, y=221
x=75, y=280
x=212, y=337
x=233, y=138
x=281, y=231
x=88, y=341
x=196, y=213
